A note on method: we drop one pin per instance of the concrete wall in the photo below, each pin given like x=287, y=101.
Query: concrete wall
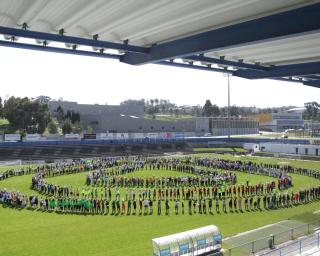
x=127, y=124
x=202, y=124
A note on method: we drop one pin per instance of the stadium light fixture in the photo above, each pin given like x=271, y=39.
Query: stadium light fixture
x=43, y=26
x=96, y=37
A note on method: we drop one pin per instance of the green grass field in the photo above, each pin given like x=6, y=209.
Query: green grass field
x=224, y=150
x=25, y=232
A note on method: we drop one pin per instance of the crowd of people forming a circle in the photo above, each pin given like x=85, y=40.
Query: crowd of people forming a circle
x=204, y=185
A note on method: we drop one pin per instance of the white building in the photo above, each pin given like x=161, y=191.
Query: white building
x=297, y=149
x=283, y=121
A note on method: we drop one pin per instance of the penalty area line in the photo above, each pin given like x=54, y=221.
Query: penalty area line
x=253, y=230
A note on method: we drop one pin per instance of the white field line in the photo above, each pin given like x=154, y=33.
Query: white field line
x=316, y=212
x=253, y=230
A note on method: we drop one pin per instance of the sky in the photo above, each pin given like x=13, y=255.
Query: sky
x=26, y=73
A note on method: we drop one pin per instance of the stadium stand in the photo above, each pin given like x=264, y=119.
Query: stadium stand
x=48, y=152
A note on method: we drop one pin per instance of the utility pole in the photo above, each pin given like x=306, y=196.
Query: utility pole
x=229, y=121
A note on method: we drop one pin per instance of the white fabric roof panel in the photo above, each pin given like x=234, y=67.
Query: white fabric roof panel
x=145, y=22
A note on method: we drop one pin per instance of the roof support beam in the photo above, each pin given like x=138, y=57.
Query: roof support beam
x=184, y=65
x=226, y=62
x=315, y=83
x=57, y=50
x=290, y=80
x=281, y=25
x=282, y=71
x=313, y=77
x=71, y=40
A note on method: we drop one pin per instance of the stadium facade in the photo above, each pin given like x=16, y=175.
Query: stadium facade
x=220, y=126
x=129, y=118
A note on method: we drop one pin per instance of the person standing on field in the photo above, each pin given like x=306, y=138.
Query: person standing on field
x=224, y=205
x=159, y=206
x=134, y=206
x=217, y=205
x=176, y=205
x=167, y=207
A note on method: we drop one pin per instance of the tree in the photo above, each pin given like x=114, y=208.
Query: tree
x=215, y=111
x=43, y=99
x=12, y=112
x=311, y=112
x=171, y=111
x=75, y=117
x=26, y=115
x=60, y=114
x=90, y=130
x=151, y=111
x=1, y=108
x=206, y=110
x=176, y=112
x=234, y=111
x=133, y=102
x=162, y=107
x=67, y=126
x=68, y=115
x=223, y=111
x=52, y=127
x=41, y=118
x=312, y=109
x=76, y=127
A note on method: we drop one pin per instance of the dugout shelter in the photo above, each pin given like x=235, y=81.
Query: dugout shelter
x=200, y=241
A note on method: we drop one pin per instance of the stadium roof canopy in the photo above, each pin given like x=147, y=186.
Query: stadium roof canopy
x=246, y=38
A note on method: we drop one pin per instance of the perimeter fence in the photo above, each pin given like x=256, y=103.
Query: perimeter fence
x=309, y=245
x=269, y=241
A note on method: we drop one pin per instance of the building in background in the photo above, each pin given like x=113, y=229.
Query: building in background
x=279, y=122
x=296, y=149
x=129, y=118
x=219, y=126
x=312, y=126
